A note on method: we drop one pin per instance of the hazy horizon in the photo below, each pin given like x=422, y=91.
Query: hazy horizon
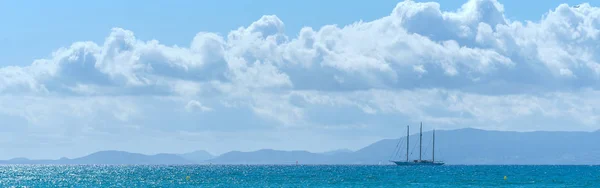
x=219, y=76
x=412, y=134
x=461, y=146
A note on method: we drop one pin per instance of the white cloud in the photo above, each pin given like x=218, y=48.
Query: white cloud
x=470, y=67
x=194, y=104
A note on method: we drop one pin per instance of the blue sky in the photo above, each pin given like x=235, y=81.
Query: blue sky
x=78, y=77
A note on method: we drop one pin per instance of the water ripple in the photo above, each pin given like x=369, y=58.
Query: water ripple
x=296, y=176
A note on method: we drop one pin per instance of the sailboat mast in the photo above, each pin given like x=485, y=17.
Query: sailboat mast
x=407, y=135
x=433, y=152
x=420, y=141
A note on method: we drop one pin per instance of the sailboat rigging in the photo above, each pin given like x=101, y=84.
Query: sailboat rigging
x=420, y=161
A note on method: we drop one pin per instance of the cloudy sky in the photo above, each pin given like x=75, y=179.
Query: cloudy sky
x=296, y=75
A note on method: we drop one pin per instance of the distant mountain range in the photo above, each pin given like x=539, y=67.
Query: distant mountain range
x=462, y=146
x=121, y=157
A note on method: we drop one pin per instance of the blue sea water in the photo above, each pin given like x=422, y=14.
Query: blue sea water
x=297, y=176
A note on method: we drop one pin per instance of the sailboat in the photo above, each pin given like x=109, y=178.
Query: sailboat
x=420, y=161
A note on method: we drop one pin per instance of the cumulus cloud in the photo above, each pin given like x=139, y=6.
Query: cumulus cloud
x=469, y=67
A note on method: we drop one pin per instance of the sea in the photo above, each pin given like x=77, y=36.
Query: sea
x=297, y=176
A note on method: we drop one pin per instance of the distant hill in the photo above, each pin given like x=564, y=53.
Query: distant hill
x=338, y=151
x=474, y=146
x=199, y=156
x=462, y=146
x=109, y=157
x=268, y=156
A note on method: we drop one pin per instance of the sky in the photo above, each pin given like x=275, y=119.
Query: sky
x=153, y=77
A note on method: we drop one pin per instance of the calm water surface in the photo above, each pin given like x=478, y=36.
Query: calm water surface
x=297, y=176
